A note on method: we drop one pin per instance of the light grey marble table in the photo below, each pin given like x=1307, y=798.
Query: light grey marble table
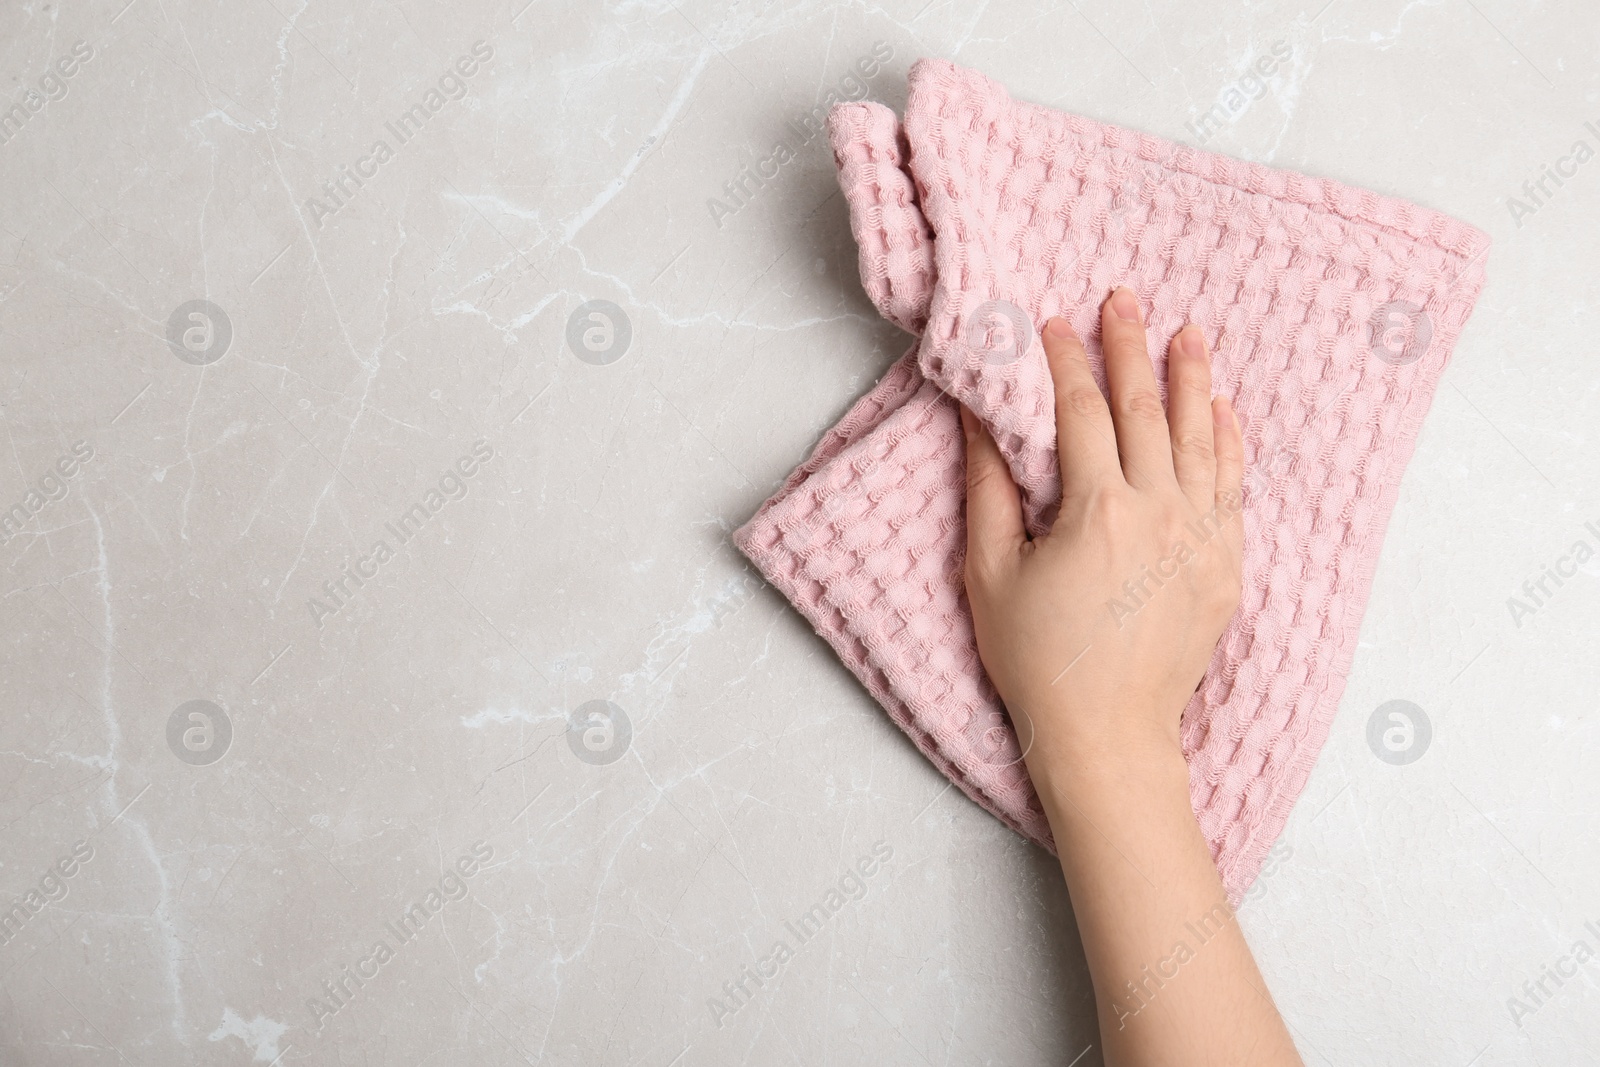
x=305, y=420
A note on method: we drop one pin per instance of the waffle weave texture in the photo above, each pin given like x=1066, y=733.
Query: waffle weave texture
x=1331, y=312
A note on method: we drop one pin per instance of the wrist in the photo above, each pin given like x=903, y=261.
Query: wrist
x=1135, y=792
x=1078, y=764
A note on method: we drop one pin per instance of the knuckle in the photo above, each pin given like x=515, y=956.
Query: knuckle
x=1142, y=404
x=1083, y=402
x=1125, y=343
x=1191, y=443
x=1197, y=388
x=980, y=572
x=1173, y=530
x=1108, y=509
x=982, y=477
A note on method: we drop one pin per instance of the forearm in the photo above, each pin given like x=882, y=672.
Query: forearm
x=1174, y=980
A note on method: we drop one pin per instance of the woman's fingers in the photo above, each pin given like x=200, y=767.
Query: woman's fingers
x=1142, y=439
x=1085, y=439
x=994, y=505
x=1229, y=497
x=1194, y=459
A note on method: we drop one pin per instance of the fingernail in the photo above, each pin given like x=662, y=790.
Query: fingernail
x=1058, y=328
x=1125, y=304
x=1193, y=341
x=969, y=423
x=1221, y=411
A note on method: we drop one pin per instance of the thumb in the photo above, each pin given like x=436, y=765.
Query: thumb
x=994, y=506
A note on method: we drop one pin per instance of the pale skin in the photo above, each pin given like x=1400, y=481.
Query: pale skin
x=1097, y=694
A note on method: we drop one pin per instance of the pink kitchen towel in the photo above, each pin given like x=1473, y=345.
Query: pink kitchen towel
x=1331, y=310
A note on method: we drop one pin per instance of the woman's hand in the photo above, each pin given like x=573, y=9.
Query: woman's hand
x=1096, y=636
x=1099, y=632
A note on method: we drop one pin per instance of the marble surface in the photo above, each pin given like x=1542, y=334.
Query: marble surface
x=396, y=508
